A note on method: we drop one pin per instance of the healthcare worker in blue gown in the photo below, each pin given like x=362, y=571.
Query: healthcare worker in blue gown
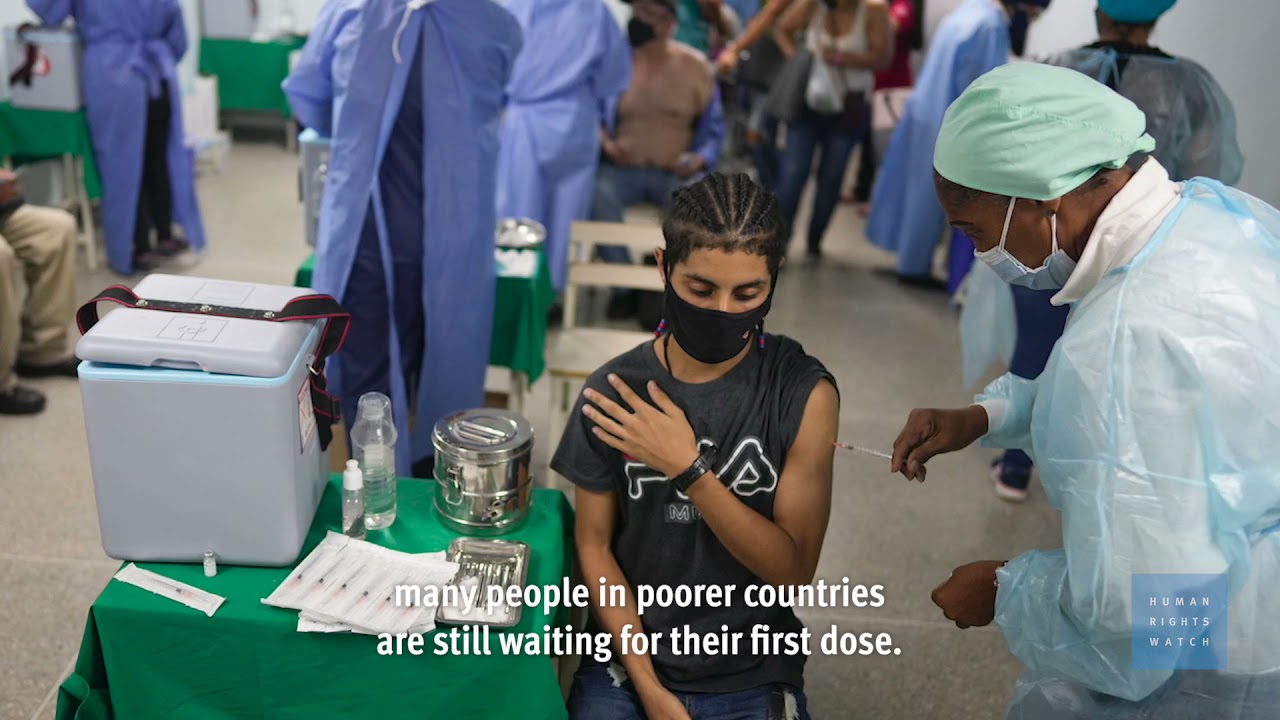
x=905, y=215
x=1153, y=423
x=411, y=94
x=134, y=108
x=575, y=59
x=1194, y=126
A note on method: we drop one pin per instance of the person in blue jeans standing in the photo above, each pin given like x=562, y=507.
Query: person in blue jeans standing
x=1040, y=324
x=850, y=39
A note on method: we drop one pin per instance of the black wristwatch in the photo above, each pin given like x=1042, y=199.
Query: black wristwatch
x=700, y=467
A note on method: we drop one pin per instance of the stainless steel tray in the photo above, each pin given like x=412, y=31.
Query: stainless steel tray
x=486, y=563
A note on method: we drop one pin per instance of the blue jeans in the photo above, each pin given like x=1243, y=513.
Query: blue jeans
x=618, y=188
x=764, y=154
x=1040, y=324
x=810, y=132
x=595, y=696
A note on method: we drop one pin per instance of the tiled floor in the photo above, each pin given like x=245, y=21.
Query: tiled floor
x=890, y=348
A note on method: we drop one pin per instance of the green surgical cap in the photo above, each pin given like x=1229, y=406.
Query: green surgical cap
x=1037, y=132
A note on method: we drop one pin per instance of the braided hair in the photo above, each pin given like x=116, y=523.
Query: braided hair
x=724, y=212
x=731, y=213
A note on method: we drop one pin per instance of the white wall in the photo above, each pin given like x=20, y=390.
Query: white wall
x=1234, y=39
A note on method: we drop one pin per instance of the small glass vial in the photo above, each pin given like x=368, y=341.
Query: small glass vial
x=210, y=564
x=353, y=501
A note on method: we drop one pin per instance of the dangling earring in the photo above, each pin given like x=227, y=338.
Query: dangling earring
x=662, y=326
x=760, y=333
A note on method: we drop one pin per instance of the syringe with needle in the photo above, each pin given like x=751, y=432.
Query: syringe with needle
x=865, y=451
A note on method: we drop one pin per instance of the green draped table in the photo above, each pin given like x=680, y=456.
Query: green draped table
x=249, y=72
x=146, y=657
x=34, y=135
x=519, y=335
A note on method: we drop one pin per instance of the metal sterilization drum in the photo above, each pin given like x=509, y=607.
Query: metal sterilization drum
x=483, y=484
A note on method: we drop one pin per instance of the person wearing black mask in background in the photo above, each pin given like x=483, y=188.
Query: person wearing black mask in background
x=664, y=131
x=703, y=457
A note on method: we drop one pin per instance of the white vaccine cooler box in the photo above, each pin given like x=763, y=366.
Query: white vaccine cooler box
x=44, y=68
x=228, y=19
x=202, y=433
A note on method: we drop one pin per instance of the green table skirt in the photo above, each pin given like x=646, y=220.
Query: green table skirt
x=145, y=657
x=519, y=322
x=249, y=73
x=33, y=135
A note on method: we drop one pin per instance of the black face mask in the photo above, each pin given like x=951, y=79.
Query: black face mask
x=639, y=32
x=712, y=336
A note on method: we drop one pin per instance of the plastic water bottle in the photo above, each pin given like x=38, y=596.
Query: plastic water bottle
x=374, y=438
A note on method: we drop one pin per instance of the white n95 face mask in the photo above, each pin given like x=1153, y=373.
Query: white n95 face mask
x=1052, y=275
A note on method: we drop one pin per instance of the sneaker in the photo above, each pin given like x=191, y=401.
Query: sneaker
x=168, y=247
x=21, y=401
x=146, y=261
x=1005, y=491
x=923, y=282
x=66, y=367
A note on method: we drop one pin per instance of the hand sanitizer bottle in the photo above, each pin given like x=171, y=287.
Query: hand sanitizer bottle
x=353, y=501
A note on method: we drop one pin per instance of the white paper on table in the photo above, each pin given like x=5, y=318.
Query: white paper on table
x=516, y=263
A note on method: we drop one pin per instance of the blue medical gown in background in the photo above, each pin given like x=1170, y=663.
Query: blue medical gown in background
x=1154, y=428
x=422, y=332
x=906, y=217
x=1188, y=113
x=575, y=59
x=130, y=48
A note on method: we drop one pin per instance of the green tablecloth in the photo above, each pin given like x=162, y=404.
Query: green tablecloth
x=31, y=135
x=147, y=657
x=519, y=322
x=249, y=73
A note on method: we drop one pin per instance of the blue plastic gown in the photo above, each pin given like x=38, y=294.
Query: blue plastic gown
x=906, y=217
x=1188, y=113
x=130, y=47
x=348, y=85
x=1154, y=427
x=550, y=133
x=1195, y=130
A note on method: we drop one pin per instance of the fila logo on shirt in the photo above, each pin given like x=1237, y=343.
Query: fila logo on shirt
x=747, y=471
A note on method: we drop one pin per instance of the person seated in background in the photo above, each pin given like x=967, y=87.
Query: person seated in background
x=703, y=457
x=667, y=127
x=39, y=243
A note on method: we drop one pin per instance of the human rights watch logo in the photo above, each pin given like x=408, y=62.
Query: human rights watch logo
x=1179, y=622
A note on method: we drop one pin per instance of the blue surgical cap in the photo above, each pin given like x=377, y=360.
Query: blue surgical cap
x=1135, y=12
